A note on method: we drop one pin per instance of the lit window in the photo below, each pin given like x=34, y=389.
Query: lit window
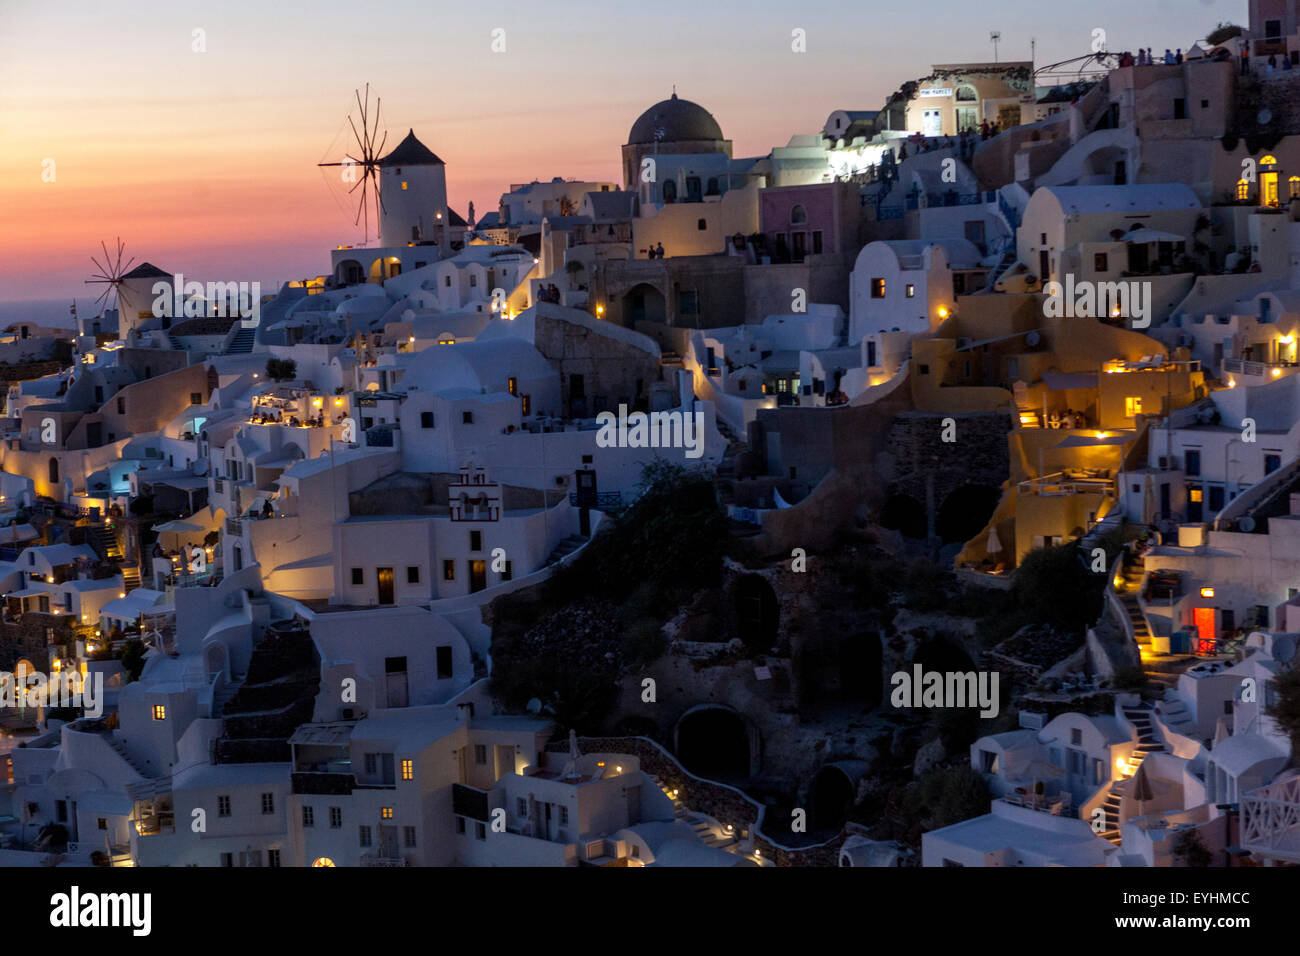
x=911, y=291
x=323, y=861
x=1294, y=183
x=159, y=712
x=1132, y=406
x=403, y=184
x=408, y=769
x=385, y=813
x=1243, y=189
x=877, y=288
x=1195, y=495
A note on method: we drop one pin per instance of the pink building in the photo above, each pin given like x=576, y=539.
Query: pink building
x=800, y=221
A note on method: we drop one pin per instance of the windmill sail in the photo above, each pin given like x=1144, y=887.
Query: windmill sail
x=361, y=167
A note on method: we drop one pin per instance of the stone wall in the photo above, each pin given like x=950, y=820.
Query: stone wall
x=916, y=453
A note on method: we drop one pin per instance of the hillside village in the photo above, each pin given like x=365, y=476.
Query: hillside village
x=598, y=529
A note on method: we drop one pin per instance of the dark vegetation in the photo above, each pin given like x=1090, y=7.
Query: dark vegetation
x=604, y=613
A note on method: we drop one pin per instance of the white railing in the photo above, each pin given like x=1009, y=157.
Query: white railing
x=1270, y=819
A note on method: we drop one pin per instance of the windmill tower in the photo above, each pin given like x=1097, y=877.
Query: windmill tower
x=413, y=186
x=133, y=290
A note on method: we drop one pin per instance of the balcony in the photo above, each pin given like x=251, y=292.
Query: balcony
x=1069, y=483
x=469, y=802
x=382, y=859
x=322, y=783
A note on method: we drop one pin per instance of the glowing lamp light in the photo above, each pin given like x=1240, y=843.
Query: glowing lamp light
x=618, y=769
x=943, y=312
x=338, y=402
x=1277, y=372
x=1207, y=592
x=600, y=310
x=121, y=594
x=317, y=402
x=1232, y=383
x=1286, y=339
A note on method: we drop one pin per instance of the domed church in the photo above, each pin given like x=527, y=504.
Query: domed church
x=671, y=126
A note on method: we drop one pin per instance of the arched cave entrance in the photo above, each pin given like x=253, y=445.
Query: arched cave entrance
x=713, y=742
x=966, y=512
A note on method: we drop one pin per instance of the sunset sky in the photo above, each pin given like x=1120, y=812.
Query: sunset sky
x=205, y=163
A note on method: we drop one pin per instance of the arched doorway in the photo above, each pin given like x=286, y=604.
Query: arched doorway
x=644, y=303
x=385, y=268
x=966, y=512
x=904, y=514
x=714, y=743
x=830, y=799
x=349, y=272
x=757, y=613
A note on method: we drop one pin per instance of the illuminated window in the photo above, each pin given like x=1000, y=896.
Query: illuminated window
x=1269, y=160
x=403, y=184
x=877, y=288
x=1294, y=183
x=159, y=712
x=1132, y=406
x=408, y=769
x=323, y=861
x=1243, y=189
x=911, y=291
x=385, y=813
x=1195, y=495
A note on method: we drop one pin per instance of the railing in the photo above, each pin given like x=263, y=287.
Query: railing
x=1243, y=367
x=381, y=859
x=1009, y=212
x=1060, y=484
x=604, y=499
x=1270, y=820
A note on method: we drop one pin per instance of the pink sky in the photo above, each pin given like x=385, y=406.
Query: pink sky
x=205, y=163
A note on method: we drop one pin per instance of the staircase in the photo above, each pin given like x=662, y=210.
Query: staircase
x=1133, y=571
x=1140, y=718
x=566, y=547
x=705, y=827
x=1176, y=715
x=122, y=752
x=104, y=541
x=242, y=343
x=725, y=480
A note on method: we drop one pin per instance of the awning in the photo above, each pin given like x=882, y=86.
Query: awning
x=26, y=593
x=177, y=527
